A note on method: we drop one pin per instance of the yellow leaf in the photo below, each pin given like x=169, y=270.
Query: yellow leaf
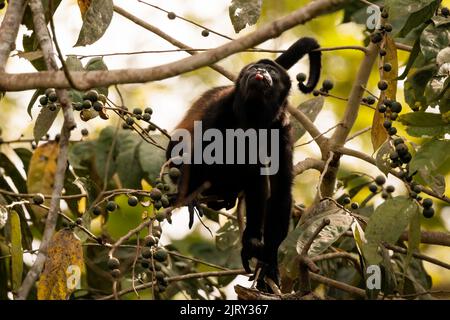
x=63, y=267
x=379, y=134
x=83, y=5
x=41, y=172
x=16, y=250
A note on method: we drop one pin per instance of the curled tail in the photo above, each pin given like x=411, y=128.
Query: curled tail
x=296, y=52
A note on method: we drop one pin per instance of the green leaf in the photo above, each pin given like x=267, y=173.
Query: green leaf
x=127, y=164
x=412, y=57
x=424, y=124
x=419, y=17
x=104, y=144
x=433, y=40
x=33, y=99
x=311, y=108
x=382, y=158
x=151, y=158
x=97, y=64
x=16, y=250
x=95, y=22
x=81, y=154
x=386, y=224
x=30, y=44
x=415, y=86
x=429, y=159
x=244, y=12
x=44, y=122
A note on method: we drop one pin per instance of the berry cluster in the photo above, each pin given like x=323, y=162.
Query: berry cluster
x=348, y=201
x=137, y=115
x=49, y=100
x=390, y=109
x=379, y=186
x=377, y=36
x=327, y=85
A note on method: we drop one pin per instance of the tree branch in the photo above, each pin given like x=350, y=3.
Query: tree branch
x=90, y=79
x=61, y=166
x=9, y=29
x=308, y=163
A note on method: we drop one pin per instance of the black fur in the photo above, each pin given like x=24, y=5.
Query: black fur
x=257, y=100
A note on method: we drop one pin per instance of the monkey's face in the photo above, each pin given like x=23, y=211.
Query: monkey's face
x=264, y=80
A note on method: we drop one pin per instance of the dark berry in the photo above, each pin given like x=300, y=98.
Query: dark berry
x=387, y=124
x=79, y=221
x=148, y=110
x=428, y=212
x=52, y=107
x=129, y=121
x=354, y=205
x=38, y=199
x=388, y=27
x=427, y=203
x=390, y=189
x=133, y=201
x=146, y=253
x=165, y=201
x=408, y=178
x=102, y=98
x=96, y=211
x=347, y=200
x=205, y=33
x=370, y=100
x=115, y=273
x=376, y=37
x=113, y=263
x=393, y=116
x=145, y=264
x=413, y=195
x=445, y=11
x=111, y=206
x=43, y=100
x=49, y=91
x=157, y=204
x=382, y=52
x=98, y=106
x=160, y=216
x=52, y=97
x=392, y=131
x=150, y=241
x=373, y=188
x=327, y=85
x=396, y=107
x=301, y=77
x=78, y=106
x=87, y=104
x=316, y=93
x=398, y=141
x=171, y=15
x=388, y=103
x=417, y=188
x=160, y=255
x=384, y=14
x=406, y=158
x=159, y=275
x=387, y=67
x=382, y=85
x=382, y=108
x=137, y=111
x=384, y=195
x=146, y=117
x=401, y=149
x=155, y=194
x=380, y=180
x=84, y=132
x=174, y=173
x=92, y=95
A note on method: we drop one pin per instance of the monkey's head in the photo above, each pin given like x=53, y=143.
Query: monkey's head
x=262, y=89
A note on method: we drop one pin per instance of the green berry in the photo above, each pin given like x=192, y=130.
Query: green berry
x=160, y=216
x=133, y=201
x=137, y=111
x=113, y=263
x=38, y=199
x=111, y=206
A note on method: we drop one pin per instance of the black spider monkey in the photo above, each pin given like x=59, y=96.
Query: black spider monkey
x=257, y=100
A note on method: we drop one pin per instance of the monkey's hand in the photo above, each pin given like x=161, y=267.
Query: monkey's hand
x=266, y=271
x=251, y=248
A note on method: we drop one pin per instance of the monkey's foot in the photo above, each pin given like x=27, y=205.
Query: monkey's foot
x=265, y=273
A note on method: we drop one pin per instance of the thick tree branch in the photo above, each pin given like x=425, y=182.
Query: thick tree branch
x=86, y=80
x=45, y=43
x=9, y=29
